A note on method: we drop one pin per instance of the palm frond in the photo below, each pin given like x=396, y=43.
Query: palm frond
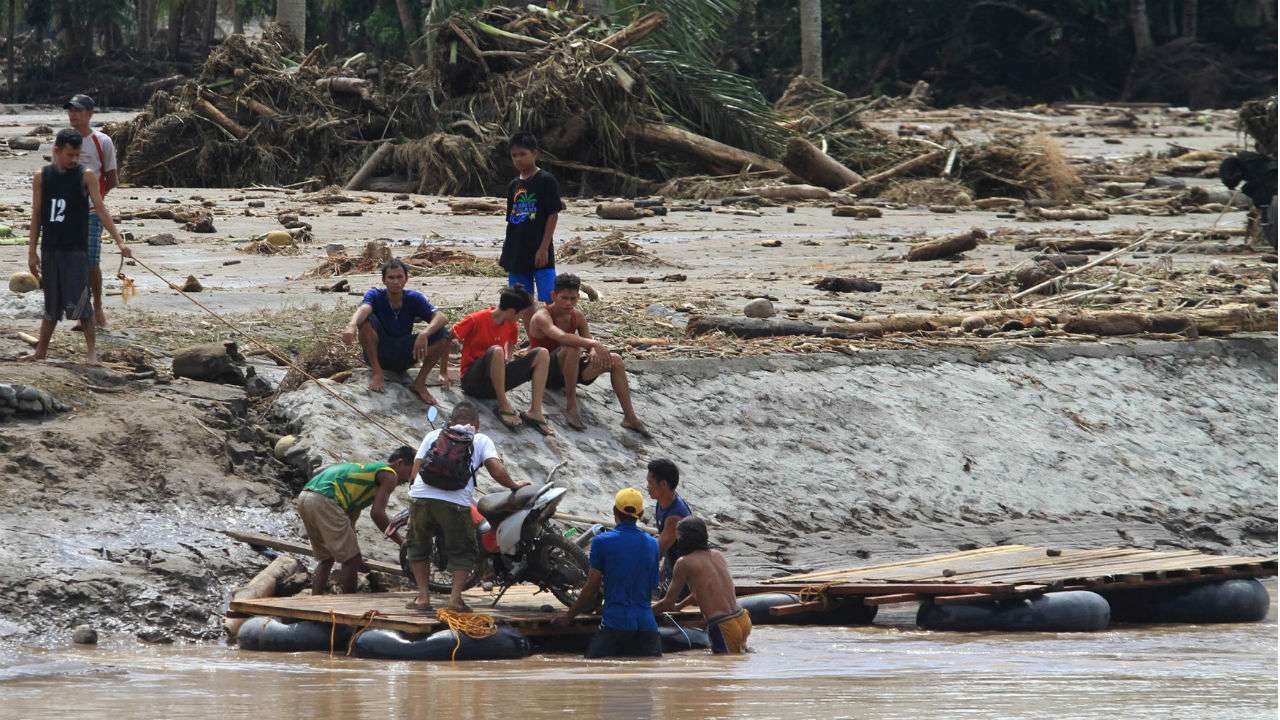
x=694, y=28
x=710, y=101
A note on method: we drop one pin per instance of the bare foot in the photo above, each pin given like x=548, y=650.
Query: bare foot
x=424, y=393
x=91, y=359
x=634, y=425
x=376, y=383
x=101, y=320
x=418, y=603
x=33, y=357
x=77, y=327
x=461, y=607
x=573, y=419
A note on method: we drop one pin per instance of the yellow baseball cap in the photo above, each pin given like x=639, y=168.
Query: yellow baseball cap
x=629, y=502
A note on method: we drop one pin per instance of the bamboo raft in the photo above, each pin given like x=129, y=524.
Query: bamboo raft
x=1006, y=572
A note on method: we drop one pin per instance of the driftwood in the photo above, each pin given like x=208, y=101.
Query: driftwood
x=841, y=285
x=1114, y=253
x=744, y=327
x=476, y=205
x=346, y=86
x=809, y=163
x=945, y=247
x=1234, y=318
x=856, y=211
x=621, y=211
x=1102, y=243
x=712, y=151
x=627, y=36
x=207, y=109
x=263, y=585
x=1070, y=214
x=899, y=169
x=790, y=193
x=260, y=108
x=367, y=169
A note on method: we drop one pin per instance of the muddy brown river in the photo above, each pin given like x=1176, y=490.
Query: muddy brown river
x=888, y=671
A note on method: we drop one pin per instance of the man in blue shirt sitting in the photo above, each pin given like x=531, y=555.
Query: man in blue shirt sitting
x=384, y=325
x=625, y=560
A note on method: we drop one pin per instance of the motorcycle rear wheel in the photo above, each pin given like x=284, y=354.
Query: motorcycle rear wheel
x=564, y=568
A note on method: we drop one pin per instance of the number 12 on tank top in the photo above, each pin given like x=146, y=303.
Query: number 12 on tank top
x=57, y=210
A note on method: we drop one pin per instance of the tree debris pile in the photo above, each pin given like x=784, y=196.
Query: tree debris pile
x=425, y=260
x=1258, y=120
x=612, y=249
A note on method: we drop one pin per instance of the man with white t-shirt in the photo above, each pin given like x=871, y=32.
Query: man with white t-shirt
x=444, y=473
x=97, y=153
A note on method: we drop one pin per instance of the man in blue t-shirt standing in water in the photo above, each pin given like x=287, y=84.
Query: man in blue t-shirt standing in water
x=625, y=561
x=669, y=509
x=384, y=325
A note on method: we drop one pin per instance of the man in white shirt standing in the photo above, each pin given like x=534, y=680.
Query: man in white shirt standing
x=97, y=153
x=444, y=473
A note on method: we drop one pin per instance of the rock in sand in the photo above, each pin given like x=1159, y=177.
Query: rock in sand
x=284, y=445
x=759, y=308
x=192, y=285
x=84, y=635
x=214, y=362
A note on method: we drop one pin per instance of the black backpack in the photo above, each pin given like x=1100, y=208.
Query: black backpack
x=448, y=463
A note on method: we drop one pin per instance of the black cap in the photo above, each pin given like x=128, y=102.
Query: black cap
x=79, y=102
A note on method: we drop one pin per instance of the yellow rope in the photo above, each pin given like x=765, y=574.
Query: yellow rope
x=333, y=629
x=475, y=625
x=813, y=593
x=367, y=619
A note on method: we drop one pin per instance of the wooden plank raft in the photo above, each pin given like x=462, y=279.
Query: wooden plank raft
x=1009, y=571
x=521, y=607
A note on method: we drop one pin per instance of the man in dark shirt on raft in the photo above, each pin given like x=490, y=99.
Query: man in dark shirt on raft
x=668, y=509
x=384, y=325
x=533, y=207
x=625, y=561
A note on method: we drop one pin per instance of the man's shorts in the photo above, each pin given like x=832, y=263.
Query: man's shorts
x=728, y=633
x=64, y=276
x=328, y=527
x=95, y=238
x=429, y=519
x=476, y=382
x=395, y=353
x=543, y=280
x=608, y=642
x=555, y=376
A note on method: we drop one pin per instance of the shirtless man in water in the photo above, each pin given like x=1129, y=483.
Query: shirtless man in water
x=576, y=357
x=706, y=573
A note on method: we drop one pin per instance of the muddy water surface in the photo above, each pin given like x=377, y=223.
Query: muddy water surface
x=894, y=671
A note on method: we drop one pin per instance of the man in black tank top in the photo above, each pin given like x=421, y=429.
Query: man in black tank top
x=59, y=220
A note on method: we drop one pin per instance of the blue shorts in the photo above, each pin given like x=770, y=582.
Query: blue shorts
x=544, y=280
x=95, y=238
x=395, y=353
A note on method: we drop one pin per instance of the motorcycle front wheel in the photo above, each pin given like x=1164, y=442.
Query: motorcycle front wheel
x=564, y=567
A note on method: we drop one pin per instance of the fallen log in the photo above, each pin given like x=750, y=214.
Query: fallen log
x=259, y=108
x=1234, y=318
x=711, y=151
x=369, y=167
x=207, y=109
x=900, y=169
x=809, y=163
x=345, y=86
x=263, y=585
x=945, y=247
x=476, y=205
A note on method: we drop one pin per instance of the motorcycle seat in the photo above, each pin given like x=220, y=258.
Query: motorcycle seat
x=498, y=505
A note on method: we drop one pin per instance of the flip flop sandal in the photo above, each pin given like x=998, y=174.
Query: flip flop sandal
x=543, y=426
x=503, y=417
x=415, y=605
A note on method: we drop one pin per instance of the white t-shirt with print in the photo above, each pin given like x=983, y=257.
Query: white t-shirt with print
x=482, y=449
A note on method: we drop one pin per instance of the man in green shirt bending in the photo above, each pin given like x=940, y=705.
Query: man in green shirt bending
x=332, y=501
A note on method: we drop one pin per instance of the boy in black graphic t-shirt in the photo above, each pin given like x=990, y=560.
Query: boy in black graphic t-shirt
x=533, y=205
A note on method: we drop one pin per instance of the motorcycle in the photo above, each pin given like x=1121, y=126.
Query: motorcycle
x=519, y=542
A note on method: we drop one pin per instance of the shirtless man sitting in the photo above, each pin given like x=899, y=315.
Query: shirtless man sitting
x=577, y=358
x=706, y=573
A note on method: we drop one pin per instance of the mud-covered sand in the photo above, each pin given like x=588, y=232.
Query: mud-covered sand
x=112, y=510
